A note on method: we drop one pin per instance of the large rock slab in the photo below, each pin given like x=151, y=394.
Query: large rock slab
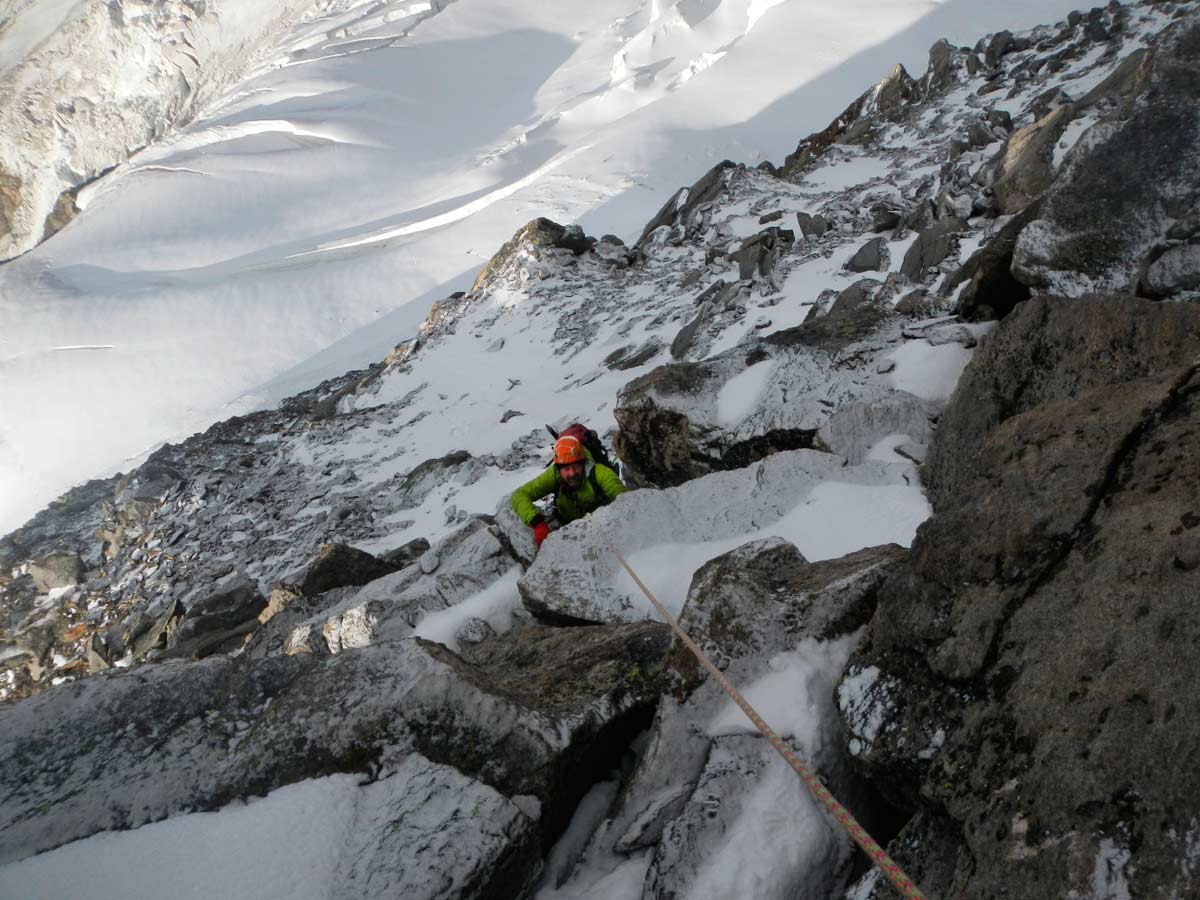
x=667, y=534
x=427, y=832
x=1042, y=632
x=1099, y=233
x=119, y=750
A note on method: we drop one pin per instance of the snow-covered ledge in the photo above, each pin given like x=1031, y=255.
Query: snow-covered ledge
x=823, y=506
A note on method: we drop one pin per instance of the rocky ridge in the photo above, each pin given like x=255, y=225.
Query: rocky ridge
x=984, y=736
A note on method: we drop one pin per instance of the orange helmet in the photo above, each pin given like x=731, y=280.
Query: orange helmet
x=568, y=450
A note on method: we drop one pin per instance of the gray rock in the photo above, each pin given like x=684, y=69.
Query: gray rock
x=804, y=860
x=406, y=553
x=510, y=414
x=992, y=291
x=1024, y=167
x=685, y=206
x=673, y=427
x=576, y=576
x=870, y=257
x=1096, y=232
x=933, y=245
x=1052, y=350
x=56, y=570
x=427, y=832
x=209, y=620
x=388, y=608
x=135, y=747
x=1175, y=273
x=853, y=431
x=340, y=565
x=743, y=608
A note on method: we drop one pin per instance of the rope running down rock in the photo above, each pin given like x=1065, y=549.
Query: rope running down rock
x=878, y=855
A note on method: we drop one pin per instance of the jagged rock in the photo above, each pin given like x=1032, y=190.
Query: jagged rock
x=1097, y=232
x=894, y=92
x=56, y=570
x=760, y=252
x=212, y=620
x=516, y=534
x=389, y=607
x=687, y=202
x=944, y=59
x=340, y=565
x=1024, y=167
x=862, y=291
x=212, y=731
x=933, y=245
x=576, y=576
x=745, y=786
x=626, y=358
x=405, y=553
x=853, y=431
x=811, y=226
x=886, y=216
x=918, y=304
x=68, y=524
x=976, y=695
x=531, y=243
x=870, y=257
x=991, y=291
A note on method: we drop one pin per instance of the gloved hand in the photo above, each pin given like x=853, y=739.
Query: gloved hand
x=541, y=531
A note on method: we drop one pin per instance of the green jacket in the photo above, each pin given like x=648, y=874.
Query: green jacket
x=600, y=486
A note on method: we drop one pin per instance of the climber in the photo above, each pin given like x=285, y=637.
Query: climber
x=578, y=483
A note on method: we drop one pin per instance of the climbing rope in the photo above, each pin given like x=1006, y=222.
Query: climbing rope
x=878, y=855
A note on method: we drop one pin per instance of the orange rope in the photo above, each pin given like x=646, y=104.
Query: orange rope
x=878, y=855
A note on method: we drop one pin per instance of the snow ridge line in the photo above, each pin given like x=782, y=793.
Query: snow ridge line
x=888, y=866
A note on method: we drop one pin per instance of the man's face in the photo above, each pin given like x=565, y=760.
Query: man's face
x=571, y=474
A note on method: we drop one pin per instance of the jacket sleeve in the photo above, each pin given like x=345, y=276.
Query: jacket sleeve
x=609, y=483
x=523, y=497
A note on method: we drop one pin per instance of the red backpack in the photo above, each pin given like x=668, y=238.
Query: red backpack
x=589, y=439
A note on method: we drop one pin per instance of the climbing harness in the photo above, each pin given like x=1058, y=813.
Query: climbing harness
x=878, y=855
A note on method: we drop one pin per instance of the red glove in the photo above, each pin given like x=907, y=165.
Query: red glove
x=541, y=531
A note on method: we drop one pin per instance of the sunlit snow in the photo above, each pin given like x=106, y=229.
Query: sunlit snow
x=303, y=224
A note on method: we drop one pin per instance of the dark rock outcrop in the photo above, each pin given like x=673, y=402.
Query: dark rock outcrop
x=932, y=246
x=340, y=565
x=683, y=208
x=992, y=291
x=1029, y=670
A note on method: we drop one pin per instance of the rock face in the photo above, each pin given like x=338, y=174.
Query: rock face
x=1100, y=233
x=518, y=720
x=1012, y=679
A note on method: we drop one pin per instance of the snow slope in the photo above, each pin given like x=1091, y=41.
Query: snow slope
x=303, y=223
